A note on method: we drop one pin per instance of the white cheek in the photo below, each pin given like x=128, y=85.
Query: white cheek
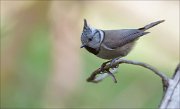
x=96, y=38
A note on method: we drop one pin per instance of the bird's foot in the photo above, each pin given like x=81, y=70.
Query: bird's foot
x=103, y=65
x=108, y=70
x=113, y=61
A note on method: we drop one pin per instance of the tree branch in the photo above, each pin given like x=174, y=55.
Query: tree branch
x=102, y=74
x=171, y=99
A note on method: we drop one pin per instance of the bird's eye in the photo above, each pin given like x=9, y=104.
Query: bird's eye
x=90, y=39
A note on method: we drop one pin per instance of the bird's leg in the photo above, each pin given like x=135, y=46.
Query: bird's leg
x=113, y=60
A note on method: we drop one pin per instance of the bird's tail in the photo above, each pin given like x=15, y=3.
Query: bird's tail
x=151, y=25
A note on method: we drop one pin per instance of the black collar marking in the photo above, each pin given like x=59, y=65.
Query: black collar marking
x=92, y=50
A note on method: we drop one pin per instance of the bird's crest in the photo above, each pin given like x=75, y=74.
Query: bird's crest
x=86, y=30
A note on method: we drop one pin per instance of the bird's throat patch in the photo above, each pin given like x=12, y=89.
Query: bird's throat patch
x=92, y=50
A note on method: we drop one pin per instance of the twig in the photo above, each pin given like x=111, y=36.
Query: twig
x=165, y=79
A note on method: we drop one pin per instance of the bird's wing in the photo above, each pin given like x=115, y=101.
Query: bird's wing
x=114, y=39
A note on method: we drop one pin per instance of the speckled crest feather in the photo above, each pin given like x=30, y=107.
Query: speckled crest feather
x=86, y=31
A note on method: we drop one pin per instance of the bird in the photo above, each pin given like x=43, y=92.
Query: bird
x=112, y=44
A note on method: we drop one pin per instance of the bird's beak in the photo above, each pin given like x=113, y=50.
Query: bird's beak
x=82, y=46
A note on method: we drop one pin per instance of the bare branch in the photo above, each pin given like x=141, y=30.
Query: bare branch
x=171, y=86
x=99, y=71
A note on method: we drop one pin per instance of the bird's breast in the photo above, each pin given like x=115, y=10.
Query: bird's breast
x=118, y=52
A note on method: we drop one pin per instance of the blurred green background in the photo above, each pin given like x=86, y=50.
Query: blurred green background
x=43, y=66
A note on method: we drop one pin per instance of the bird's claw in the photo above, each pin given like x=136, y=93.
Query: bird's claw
x=103, y=65
x=113, y=77
x=111, y=64
x=113, y=61
x=107, y=70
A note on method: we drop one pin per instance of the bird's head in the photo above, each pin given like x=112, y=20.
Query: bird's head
x=91, y=37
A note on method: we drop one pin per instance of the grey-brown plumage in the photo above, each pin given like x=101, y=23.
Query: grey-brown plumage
x=110, y=44
x=120, y=44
